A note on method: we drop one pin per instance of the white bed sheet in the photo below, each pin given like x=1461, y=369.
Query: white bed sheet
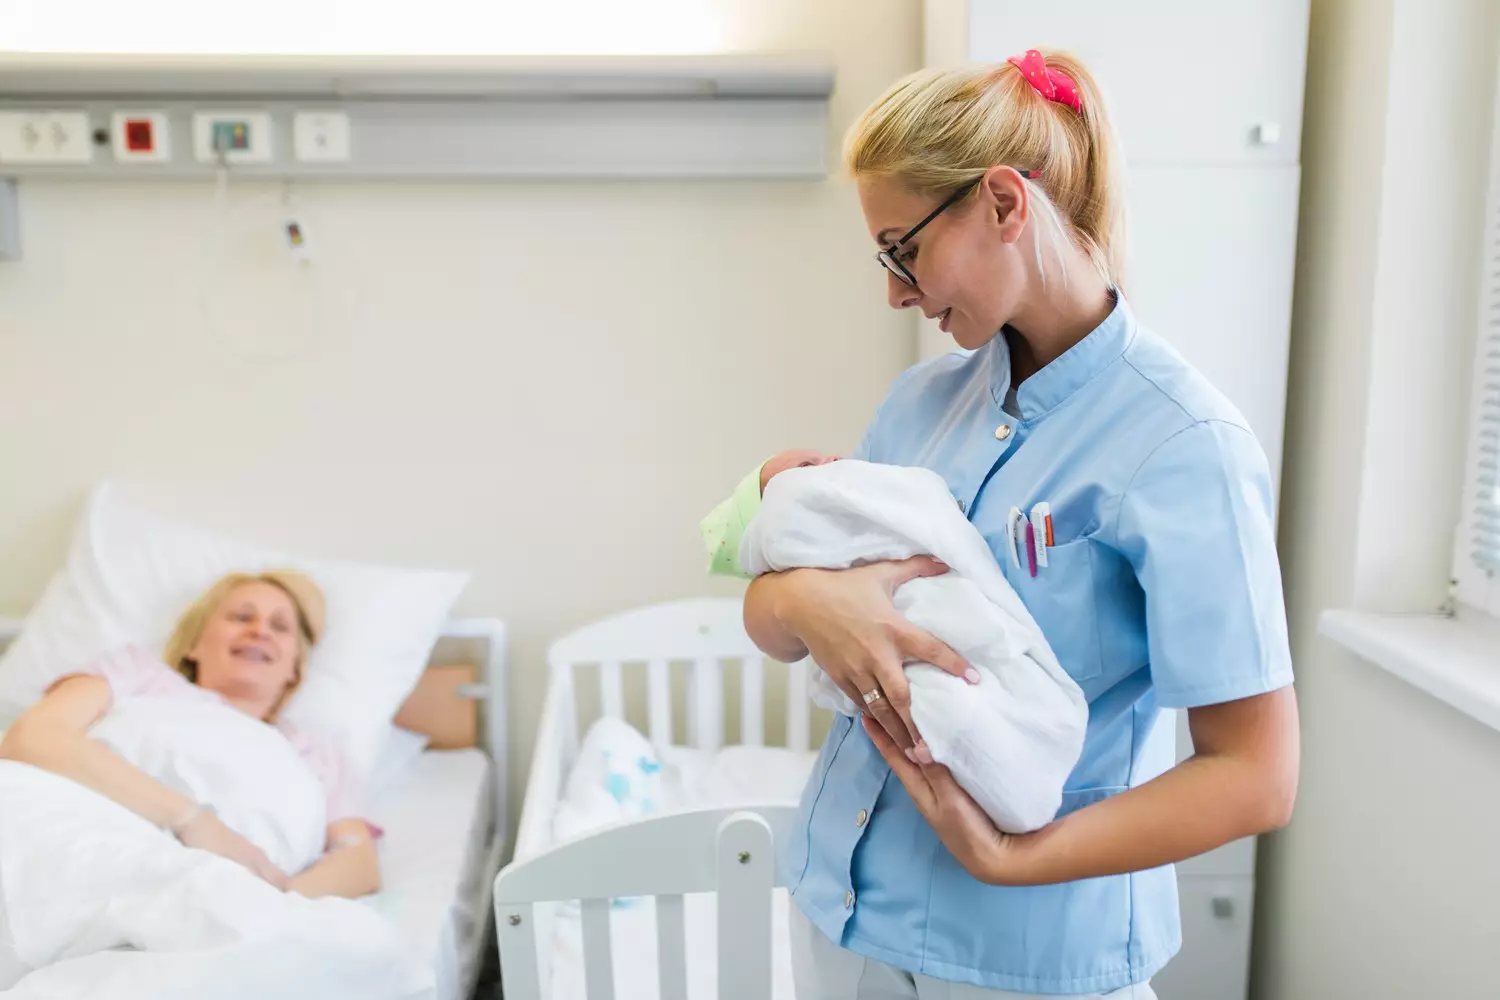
x=734, y=775
x=433, y=859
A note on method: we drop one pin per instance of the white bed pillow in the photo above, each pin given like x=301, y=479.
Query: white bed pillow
x=130, y=573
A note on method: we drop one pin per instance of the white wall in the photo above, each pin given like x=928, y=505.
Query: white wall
x=547, y=384
x=1384, y=884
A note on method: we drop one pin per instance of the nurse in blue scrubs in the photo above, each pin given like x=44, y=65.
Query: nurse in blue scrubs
x=995, y=197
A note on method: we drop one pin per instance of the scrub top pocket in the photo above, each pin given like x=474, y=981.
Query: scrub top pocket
x=1061, y=597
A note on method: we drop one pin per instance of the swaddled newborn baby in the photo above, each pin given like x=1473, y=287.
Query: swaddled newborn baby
x=1011, y=740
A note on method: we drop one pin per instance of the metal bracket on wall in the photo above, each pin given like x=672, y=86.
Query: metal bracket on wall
x=10, y=221
x=427, y=118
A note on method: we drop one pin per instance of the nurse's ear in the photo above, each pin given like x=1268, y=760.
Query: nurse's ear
x=1007, y=202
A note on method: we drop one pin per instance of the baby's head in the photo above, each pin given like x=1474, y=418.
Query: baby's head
x=794, y=459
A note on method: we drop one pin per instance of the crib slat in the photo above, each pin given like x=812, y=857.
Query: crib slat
x=745, y=876
x=752, y=701
x=708, y=704
x=568, y=720
x=659, y=702
x=519, y=974
x=598, y=961
x=796, y=706
x=611, y=690
x=671, y=947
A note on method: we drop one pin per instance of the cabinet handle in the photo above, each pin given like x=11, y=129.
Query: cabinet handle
x=1223, y=907
x=1266, y=133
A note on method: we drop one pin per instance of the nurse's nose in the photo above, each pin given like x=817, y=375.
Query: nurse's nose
x=899, y=294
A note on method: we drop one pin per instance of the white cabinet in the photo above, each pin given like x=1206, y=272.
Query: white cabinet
x=1214, y=963
x=1210, y=270
x=1188, y=81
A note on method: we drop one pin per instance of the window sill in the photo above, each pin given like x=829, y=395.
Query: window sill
x=1456, y=660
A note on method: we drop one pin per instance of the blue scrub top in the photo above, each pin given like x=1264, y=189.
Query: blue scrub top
x=1162, y=590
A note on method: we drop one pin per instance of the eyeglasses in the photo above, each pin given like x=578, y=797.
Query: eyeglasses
x=887, y=257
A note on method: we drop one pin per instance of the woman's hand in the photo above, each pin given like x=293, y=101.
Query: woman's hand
x=207, y=832
x=851, y=628
x=973, y=840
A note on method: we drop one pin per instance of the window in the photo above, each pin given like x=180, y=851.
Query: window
x=1478, y=543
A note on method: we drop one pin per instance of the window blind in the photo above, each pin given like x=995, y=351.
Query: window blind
x=1484, y=518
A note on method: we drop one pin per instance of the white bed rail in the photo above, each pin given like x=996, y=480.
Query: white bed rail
x=729, y=852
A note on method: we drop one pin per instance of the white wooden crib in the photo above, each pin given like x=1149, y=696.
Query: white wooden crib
x=726, y=851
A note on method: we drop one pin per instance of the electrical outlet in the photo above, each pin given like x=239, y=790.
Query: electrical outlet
x=46, y=137
x=237, y=136
x=321, y=137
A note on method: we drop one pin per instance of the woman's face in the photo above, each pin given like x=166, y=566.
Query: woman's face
x=249, y=647
x=970, y=271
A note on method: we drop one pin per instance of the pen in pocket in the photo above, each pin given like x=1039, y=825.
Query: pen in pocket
x=1031, y=548
x=1041, y=524
x=1013, y=522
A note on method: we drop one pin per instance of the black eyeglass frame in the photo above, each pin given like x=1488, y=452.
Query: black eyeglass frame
x=887, y=257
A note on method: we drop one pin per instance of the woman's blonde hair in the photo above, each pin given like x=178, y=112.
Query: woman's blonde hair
x=305, y=595
x=939, y=129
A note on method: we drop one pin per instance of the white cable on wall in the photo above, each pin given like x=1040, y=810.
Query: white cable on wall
x=264, y=291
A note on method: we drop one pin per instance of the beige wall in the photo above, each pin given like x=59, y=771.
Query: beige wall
x=1384, y=884
x=546, y=384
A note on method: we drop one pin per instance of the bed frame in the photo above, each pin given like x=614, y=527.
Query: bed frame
x=458, y=703
x=730, y=851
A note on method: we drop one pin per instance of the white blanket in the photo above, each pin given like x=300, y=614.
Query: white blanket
x=97, y=902
x=1010, y=741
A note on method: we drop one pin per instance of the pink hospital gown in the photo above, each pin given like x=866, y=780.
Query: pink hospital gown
x=133, y=672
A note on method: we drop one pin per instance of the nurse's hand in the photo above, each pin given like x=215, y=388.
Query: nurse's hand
x=850, y=626
x=974, y=841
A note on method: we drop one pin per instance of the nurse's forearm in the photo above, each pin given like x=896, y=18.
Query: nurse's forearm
x=764, y=625
x=1195, y=807
x=1242, y=781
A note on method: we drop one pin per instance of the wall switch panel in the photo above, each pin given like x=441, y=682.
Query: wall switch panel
x=321, y=137
x=141, y=136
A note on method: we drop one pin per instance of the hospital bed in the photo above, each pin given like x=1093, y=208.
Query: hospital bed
x=440, y=794
x=680, y=901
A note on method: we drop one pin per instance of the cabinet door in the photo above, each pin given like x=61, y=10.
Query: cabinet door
x=1189, y=81
x=1214, y=963
x=1210, y=270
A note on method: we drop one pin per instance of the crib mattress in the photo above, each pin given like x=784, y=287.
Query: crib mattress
x=433, y=860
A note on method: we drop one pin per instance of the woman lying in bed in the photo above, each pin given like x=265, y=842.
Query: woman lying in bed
x=241, y=645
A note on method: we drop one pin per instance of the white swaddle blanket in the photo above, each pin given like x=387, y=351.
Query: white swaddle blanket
x=1010, y=741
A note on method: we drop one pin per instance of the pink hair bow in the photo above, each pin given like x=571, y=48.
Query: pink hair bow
x=1052, y=84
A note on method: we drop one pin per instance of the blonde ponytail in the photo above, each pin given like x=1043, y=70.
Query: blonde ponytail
x=938, y=129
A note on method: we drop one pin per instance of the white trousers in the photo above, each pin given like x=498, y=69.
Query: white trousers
x=822, y=970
